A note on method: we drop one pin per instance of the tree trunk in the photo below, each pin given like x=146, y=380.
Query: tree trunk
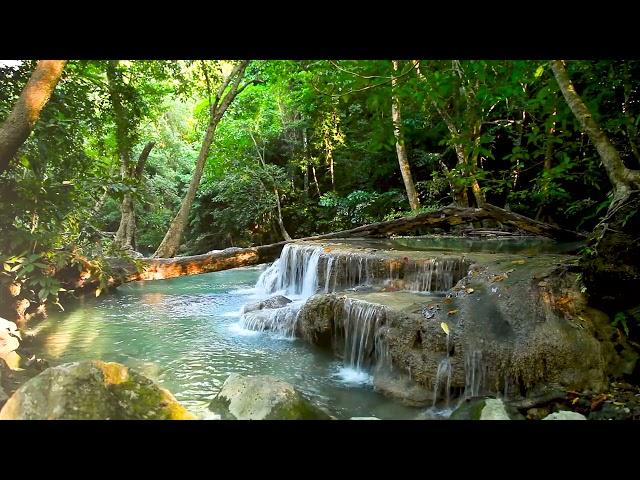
x=169, y=245
x=622, y=179
x=305, y=148
x=548, y=161
x=315, y=180
x=473, y=166
x=611, y=272
x=283, y=230
x=35, y=95
x=126, y=235
x=403, y=159
x=261, y=156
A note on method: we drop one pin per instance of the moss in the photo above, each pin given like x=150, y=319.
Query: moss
x=93, y=390
x=296, y=408
x=471, y=409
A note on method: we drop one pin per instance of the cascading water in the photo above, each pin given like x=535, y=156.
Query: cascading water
x=475, y=374
x=359, y=322
x=356, y=333
x=303, y=270
x=281, y=321
x=295, y=273
x=443, y=378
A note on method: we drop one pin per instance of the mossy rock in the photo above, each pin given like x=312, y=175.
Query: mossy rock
x=262, y=397
x=481, y=409
x=92, y=390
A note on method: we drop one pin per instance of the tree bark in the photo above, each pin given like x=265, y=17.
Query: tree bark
x=401, y=150
x=460, y=195
x=611, y=272
x=169, y=245
x=622, y=179
x=22, y=119
x=126, y=235
x=261, y=156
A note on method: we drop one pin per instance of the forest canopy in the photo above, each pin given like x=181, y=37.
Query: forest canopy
x=124, y=158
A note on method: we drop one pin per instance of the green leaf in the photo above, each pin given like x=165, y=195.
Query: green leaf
x=539, y=71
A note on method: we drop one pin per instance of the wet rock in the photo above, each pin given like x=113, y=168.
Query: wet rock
x=277, y=301
x=3, y=394
x=565, y=415
x=480, y=409
x=92, y=390
x=494, y=410
x=537, y=413
x=316, y=319
x=610, y=412
x=262, y=397
x=404, y=389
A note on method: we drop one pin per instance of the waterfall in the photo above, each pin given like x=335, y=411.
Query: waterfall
x=268, y=280
x=475, y=374
x=294, y=273
x=281, y=321
x=305, y=269
x=443, y=374
x=434, y=275
x=357, y=326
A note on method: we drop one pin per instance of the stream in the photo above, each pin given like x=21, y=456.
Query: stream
x=185, y=334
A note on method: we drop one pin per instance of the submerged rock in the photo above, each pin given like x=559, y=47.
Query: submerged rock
x=565, y=415
x=262, y=397
x=277, y=301
x=92, y=390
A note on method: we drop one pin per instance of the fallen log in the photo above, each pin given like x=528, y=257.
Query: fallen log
x=445, y=218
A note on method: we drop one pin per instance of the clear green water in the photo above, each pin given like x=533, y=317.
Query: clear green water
x=184, y=334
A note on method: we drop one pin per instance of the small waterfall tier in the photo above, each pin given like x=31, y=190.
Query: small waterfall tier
x=280, y=321
x=356, y=333
x=307, y=268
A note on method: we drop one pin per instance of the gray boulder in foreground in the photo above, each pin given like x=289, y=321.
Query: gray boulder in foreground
x=262, y=397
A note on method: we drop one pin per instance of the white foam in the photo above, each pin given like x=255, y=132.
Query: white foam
x=351, y=375
x=238, y=329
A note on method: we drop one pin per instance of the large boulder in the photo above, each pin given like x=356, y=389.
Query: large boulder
x=92, y=390
x=262, y=397
x=513, y=324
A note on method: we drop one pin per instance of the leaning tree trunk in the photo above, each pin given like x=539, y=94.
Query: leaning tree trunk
x=171, y=241
x=611, y=271
x=401, y=149
x=20, y=122
x=623, y=179
x=126, y=235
